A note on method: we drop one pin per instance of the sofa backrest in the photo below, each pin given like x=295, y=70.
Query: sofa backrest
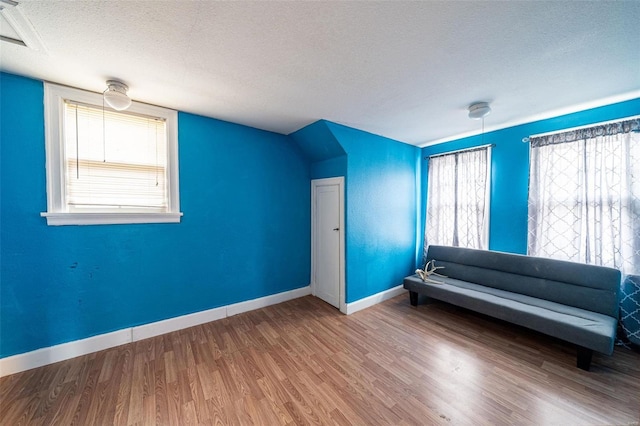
x=594, y=288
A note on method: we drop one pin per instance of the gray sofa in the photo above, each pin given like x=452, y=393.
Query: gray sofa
x=571, y=301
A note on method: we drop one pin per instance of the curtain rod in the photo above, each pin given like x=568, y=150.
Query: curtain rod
x=489, y=145
x=586, y=126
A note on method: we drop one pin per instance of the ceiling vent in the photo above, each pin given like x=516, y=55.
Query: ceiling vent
x=15, y=28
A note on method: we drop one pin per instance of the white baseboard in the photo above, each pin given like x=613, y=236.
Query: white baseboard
x=157, y=328
x=39, y=357
x=263, y=302
x=367, y=302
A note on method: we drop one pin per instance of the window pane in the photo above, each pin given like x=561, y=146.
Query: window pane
x=457, y=193
x=584, y=196
x=114, y=160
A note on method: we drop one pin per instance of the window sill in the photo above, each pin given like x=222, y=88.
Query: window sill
x=57, y=219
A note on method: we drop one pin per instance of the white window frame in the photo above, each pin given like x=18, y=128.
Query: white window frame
x=57, y=211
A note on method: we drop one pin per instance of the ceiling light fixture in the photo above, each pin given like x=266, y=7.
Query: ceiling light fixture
x=479, y=110
x=116, y=95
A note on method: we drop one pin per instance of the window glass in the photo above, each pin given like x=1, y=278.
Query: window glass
x=458, y=199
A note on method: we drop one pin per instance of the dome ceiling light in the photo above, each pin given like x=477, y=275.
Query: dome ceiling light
x=116, y=95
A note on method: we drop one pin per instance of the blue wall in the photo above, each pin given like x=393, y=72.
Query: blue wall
x=332, y=167
x=320, y=146
x=381, y=211
x=510, y=169
x=245, y=233
x=381, y=207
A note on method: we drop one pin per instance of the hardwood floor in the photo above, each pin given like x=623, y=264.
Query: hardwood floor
x=302, y=362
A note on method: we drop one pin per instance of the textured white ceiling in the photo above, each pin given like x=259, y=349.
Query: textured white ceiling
x=405, y=70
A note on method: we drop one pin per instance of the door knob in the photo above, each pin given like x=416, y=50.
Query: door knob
x=336, y=229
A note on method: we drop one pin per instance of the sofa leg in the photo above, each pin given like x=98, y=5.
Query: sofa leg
x=413, y=298
x=584, y=358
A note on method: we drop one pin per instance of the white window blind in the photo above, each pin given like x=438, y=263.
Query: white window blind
x=114, y=160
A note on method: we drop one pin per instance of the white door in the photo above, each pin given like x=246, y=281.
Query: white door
x=327, y=240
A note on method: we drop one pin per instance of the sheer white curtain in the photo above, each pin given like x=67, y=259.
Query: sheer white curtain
x=584, y=196
x=458, y=199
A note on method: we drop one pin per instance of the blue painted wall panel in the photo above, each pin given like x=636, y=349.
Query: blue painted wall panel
x=380, y=211
x=510, y=169
x=320, y=146
x=317, y=142
x=332, y=167
x=245, y=194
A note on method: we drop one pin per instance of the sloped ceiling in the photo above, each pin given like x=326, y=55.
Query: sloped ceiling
x=404, y=70
x=317, y=142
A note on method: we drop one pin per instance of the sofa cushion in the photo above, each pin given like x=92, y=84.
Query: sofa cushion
x=583, y=327
x=589, y=287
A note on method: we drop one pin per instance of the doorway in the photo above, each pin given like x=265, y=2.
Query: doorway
x=327, y=241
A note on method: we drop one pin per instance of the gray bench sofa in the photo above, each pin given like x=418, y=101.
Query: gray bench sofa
x=574, y=302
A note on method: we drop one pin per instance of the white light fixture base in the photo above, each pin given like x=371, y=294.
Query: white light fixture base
x=479, y=110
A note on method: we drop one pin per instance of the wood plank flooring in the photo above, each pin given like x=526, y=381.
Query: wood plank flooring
x=302, y=362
